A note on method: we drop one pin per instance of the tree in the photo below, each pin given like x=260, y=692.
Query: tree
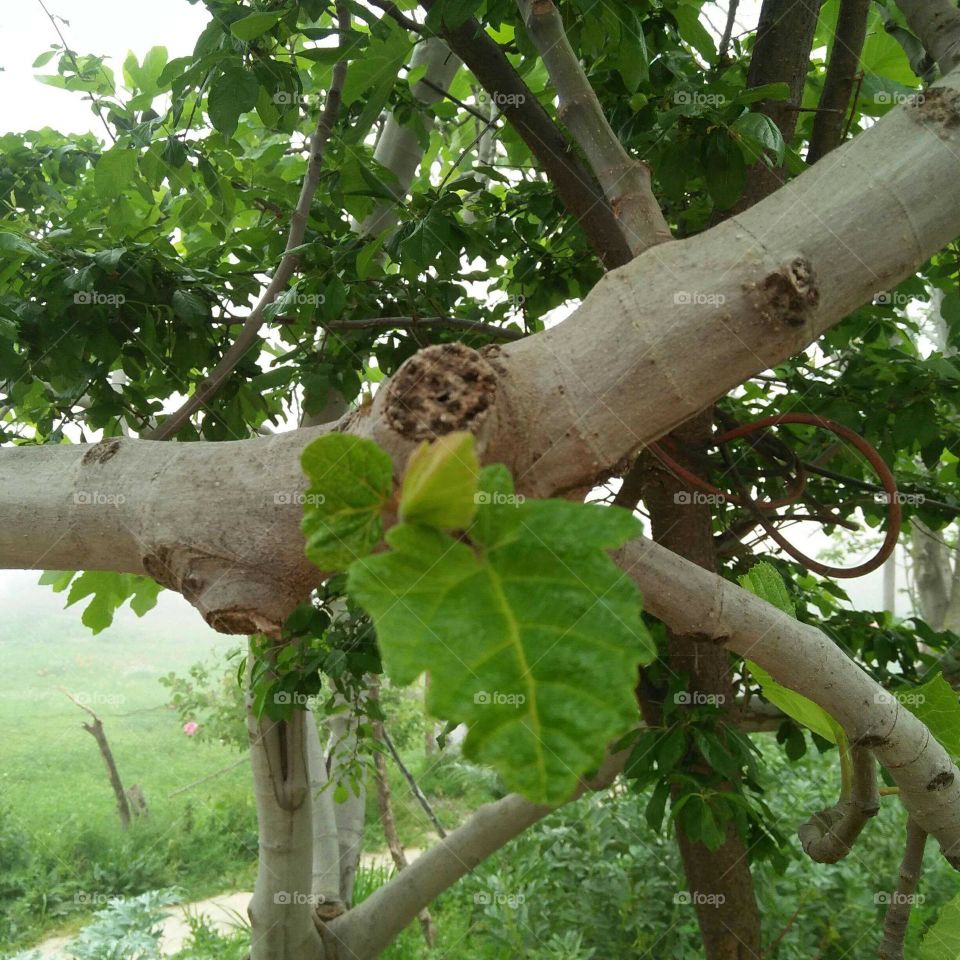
x=404, y=259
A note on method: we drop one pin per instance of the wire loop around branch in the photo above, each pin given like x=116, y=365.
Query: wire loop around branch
x=761, y=508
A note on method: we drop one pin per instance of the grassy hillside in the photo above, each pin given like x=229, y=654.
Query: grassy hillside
x=61, y=846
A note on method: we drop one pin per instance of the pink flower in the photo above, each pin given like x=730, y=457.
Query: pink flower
x=191, y=727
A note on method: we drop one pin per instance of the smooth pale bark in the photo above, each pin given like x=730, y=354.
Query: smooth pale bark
x=368, y=928
x=349, y=814
x=282, y=909
x=899, y=905
x=829, y=835
x=624, y=179
x=690, y=599
x=325, y=883
x=937, y=24
x=664, y=336
x=398, y=148
x=936, y=576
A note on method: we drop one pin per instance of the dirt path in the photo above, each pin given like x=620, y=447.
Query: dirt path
x=225, y=913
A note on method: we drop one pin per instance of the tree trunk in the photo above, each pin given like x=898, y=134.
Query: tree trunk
x=282, y=909
x=325, y=883
x=726, y=907
x=936, y=575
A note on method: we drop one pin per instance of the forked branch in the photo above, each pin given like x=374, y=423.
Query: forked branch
x=625, y=179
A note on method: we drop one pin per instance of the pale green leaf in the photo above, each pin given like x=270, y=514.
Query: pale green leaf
x=763, y=580
x=440, y=483
x=115, y=172
x=935, y=703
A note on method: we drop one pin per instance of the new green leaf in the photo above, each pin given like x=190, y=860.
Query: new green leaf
x=440, y=483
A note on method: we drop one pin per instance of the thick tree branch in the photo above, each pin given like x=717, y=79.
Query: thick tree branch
x=250, y=332
x=781, y=54
x=830, y=121
x=624, y=179
x=829, y=835
x=574, y=185
x=220, y=522
x=693, y=601
x=370, y=926
x=399, y=149
x=937, y=24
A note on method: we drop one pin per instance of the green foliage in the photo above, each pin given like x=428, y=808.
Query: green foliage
x=145, y=249
x=503, y=620
x=210, y=696
x=942, y=940
x=350, y=484
x=126, y=928
x=108, y=592
x=935, y=703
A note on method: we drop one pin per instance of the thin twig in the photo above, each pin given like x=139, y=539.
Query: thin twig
x=414, y=786
x=727, y=31
x=451, y=323
x=392, y=10
x=250, y=332
x=210, y=776
x=76, y=66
